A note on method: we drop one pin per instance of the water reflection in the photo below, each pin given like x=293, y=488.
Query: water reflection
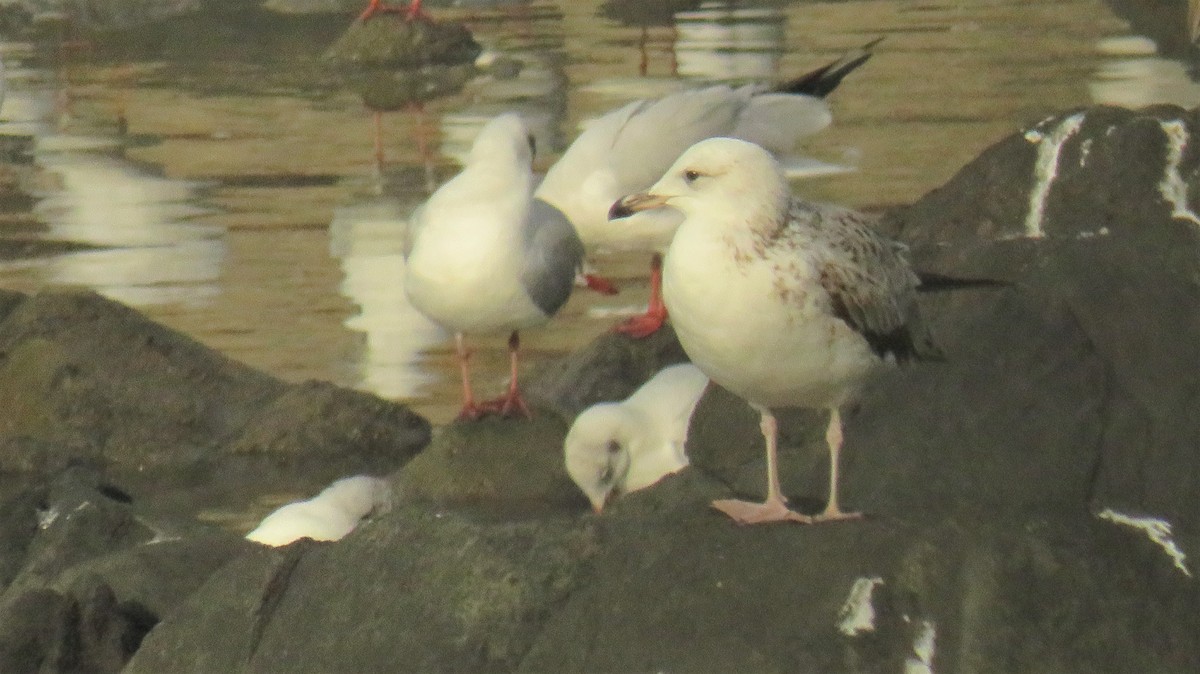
x=1135, y=76
x=368, y=237
x=148, y=250
x=730, y=41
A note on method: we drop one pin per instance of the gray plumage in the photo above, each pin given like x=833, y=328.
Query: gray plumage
x=553, y=253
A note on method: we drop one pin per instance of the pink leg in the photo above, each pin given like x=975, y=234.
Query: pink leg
x=833, y=437
x=656, y=313
x=774, y=509
x=470, y=411
x=512, y=403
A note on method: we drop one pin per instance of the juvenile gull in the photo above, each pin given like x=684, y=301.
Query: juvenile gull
x=629, y=148
x=784, y=302
x=619, y=447
x=485, y=257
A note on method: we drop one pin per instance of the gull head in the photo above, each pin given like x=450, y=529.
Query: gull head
x=505, y=138
x=715, y=177
x=597, y=452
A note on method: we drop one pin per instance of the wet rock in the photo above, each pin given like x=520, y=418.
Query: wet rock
x=494, y=463
x=416, y=590
x=1080, y=173
x=77, y=373
x=610, y=368
x=84, y=630
x=390, y=40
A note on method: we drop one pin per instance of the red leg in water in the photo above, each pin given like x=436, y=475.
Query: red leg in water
x=656, y=313
x=600, y=284
x=512, y=403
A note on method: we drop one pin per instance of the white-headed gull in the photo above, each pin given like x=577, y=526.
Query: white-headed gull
x=619, y=447
x=784, y=302
x=484, y=256
x=629, y=148
x=328, y=516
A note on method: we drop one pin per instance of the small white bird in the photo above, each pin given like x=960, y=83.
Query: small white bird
x=627, y=149
x=328, y=516
x=619, y=447
x=784, y=302
x=484, y=256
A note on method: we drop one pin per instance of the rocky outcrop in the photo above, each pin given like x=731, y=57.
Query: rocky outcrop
x=1030, y=498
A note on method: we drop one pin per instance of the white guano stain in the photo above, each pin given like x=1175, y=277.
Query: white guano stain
x=857, y=614
x=1172, y=187
x=921, y=660
x=1156, y=529
x=1045, y=169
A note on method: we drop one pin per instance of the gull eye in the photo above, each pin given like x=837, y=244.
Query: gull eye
x=613, y=447
x=690, y=176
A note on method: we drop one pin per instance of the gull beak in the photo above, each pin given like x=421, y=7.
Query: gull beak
x=642, y=201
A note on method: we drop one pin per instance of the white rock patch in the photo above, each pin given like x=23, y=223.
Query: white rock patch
x=1158, y=530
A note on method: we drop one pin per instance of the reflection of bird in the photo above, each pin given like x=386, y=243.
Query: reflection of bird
x=784, y=302
x=328, y=516
x=627, y=149
x=622, y=447
x=485, y=256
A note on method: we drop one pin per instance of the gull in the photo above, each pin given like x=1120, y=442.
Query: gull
x=784, y=302
x=328, y=516
x=483, y=256
x=619, y=447
x=627, y=149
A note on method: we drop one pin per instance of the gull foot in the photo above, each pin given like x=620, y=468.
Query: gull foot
x=640, y=327
x=745, y=512
x=600, y=284
x=512, y=405
x=835, y=515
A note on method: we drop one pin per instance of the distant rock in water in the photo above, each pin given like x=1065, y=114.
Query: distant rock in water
x=389, y=40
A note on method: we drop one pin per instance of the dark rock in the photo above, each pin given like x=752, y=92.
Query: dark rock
x=390, y=40
x=1101, y=169
x=611, y=367
x=319, y=420
x=77, y=372
x=85, y=630
x=495, y=463
x=424, y=592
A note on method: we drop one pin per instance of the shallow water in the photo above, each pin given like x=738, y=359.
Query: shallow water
x=230, y=187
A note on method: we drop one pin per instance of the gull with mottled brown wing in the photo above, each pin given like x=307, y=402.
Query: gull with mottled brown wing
x=784, y=302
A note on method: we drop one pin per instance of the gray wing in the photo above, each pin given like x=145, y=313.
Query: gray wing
x=869, y=282
x=553, y=254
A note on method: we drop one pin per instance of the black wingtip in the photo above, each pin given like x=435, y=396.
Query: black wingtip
x=822, y=81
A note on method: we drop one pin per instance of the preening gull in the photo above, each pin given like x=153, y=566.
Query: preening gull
x=484, y=256
x=619, y=447
x=629, y=148
x=784, y=302
x=328, y=516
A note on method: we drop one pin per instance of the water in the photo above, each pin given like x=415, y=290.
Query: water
x=229, y=186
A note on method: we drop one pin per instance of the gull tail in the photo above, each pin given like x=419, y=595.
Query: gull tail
x=823, y=80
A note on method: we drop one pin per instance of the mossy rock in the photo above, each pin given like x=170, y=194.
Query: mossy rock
x=391, y=40
x=503, y=464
